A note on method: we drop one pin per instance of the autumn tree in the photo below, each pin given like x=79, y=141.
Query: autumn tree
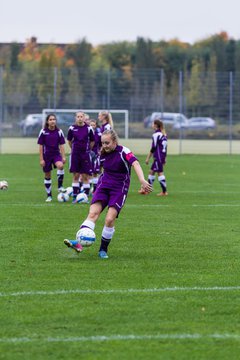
x=50, y=76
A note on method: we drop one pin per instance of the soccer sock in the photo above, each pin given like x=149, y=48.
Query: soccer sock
x=107, y=235
x=162, y=182
x=80, y=185
x=76, y=189
x=86, y=188
x=60, y=176
x=48, y=186
x=151, y=179
x=89, y=224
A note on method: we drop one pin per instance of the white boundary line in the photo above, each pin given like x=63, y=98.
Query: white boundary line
x=133, y=337
x=129, y=205
x=120, y=291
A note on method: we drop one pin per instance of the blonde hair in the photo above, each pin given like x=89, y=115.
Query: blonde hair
x=108, y=117
x=113, y=136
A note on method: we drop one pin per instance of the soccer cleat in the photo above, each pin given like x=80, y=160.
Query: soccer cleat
x=102, y=254
x=74, y=245
x=74, y=201
x=62, y=189
x=49, y=199
x=163, y=194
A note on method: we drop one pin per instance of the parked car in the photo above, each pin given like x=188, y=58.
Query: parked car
x=31, y=124
x=197, y=123
x=167, y=118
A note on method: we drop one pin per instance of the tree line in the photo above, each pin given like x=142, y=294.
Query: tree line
x=139, y=76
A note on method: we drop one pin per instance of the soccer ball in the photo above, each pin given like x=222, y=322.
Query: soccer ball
x=86, y=236
x=82, y=198
x=3, y=185
x=63, y=197
x=69, y=191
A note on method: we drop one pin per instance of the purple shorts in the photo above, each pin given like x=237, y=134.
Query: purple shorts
x=157, y=166
x=80, y=163
x=109, y=197
x=50, y=161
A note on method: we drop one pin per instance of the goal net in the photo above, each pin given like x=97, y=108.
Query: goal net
x=66, y=117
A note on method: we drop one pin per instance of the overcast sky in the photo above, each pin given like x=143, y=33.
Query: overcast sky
x=101, y=21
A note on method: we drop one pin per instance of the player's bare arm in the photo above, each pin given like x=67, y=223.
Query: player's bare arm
x=144, y=183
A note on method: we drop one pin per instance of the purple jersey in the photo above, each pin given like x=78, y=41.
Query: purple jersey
x=114, y=183
x=117, y=168
x=80, y=136
x=50, y=140
x=105, y=127
x=159, y=147
x=97, y=141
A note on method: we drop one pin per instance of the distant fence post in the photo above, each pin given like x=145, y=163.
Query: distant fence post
x=162, y=90
x=180, y=109
x=55, y=88
x=108, y=89
x=1, y=106
x=230, y=110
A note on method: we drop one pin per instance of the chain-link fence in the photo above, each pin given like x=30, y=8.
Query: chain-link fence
x=141, y=92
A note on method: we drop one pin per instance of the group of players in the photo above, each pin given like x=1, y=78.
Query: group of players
x=94, y=149
x=84, y=139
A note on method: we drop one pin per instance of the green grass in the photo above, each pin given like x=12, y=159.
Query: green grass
x=174, y=250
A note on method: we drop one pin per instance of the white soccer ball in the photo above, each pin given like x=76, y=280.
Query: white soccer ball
x=3, y=185
x=82, y=198
x=63, y=197
x=69, y=191
x=86, y=237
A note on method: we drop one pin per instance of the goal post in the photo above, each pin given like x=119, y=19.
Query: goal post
x=65, y=118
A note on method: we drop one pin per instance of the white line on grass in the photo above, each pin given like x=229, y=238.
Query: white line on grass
x=129, y=205
x=98, y=338
x=120, y=291
x=182, y=206
x=215, y=205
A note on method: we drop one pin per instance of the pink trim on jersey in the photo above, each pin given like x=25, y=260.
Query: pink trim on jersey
x=129, y=156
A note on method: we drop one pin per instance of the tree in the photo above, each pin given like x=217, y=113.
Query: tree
x=80, y=53
x=117, y=55
x=74, y=95
x=194, y=88
x=144, y=55
x=50, y=76
x=14, y=53
x=17, y=92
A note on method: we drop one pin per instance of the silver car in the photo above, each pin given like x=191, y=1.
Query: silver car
x=197, y=123
x=31, y=124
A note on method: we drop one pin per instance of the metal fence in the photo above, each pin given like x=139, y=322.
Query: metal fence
x=140, y=91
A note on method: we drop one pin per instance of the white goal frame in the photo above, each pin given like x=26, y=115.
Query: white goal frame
x=90, y=111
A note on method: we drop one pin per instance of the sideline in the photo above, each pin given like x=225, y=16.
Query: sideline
x=119, y=337
x=120, y=291
x=138, y=146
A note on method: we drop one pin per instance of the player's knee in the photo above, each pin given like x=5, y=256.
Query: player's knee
x=60, y=166
x=109, y=221
x=93, y=214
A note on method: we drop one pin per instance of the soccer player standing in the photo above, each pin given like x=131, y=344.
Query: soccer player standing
x=81, y=140
x=105, y=118
x=95, y=153
x=159, y=153
x=52, y=154
x=112, y=189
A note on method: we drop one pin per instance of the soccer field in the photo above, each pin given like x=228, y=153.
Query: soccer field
x=169, y=290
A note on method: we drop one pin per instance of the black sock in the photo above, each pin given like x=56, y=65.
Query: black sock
x=104, y=244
